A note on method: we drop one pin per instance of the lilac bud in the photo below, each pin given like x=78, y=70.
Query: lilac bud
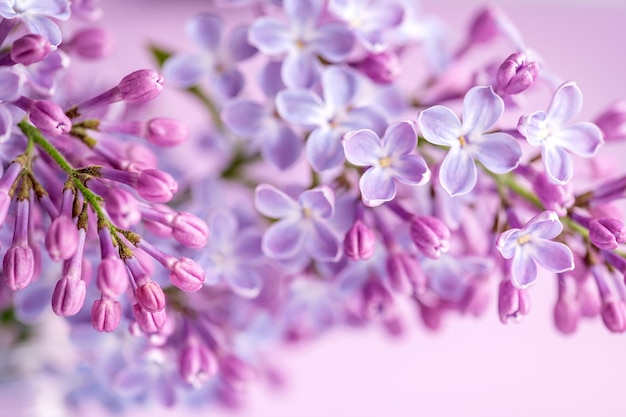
x=430, y=235
x=394, y=325
x=149, y=322
x=141, y=86
x=513, y=303
x=106, y=314
x=236, y=371
x=431, y=316
x=613, y=315
x=68, y=296
x=189, y=230
x=382, y=68
x=162, y=131
x=566, y=314
x=122, y=208
x=606, y=232
x=553, y=197
x=405, y=274
x=515, y=75
x=18, y=267
x=476, y=298
x=359, y=242
x=485, y=25
x=588, y=298
x=112, y=277
x=62, y=238
x=376, y=299
x=30, y=49
x=91, y=43
x=197, y=363
x=151, y=297
x=612, y=122
x=187, y=275
x=49, y=118
x=156, y=186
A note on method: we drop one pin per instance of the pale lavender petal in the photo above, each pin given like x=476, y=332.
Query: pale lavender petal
x=31, y=302
x=132, y=381
x=553, y=256
x=239, y=48
x=185, y=70
x=362, y=147
x=339, y=86
x=400, y=139
x=333, y=41
x=411, y=169
x=274, y=203
x=6, y=124
x=377, y=186
x=566, y=104
x=440, y=126
x=300, y=69
x=324, y=150
x=281, y=146
x=322, y=244
x=45, y=27
x=507, y=242
x=283, y=240
x=246, y=283
x=248, y=246
x=583, y=139
x=383, y=15
x=457, y=173
x=270, y=36
x=11, y=83
x=320, y=201
x=228, y=83
x=205, y=30
x=58, y=9
x=302, y=107
x=533, y=127
x=270, y=78
x=303, y=13
x=223, y=227
x=545, y=225
x=524, y=269
x=6, y=11
x=365, y=118
x=481, y=109
x=558, y=163
x=499, y=152
x=244, y=117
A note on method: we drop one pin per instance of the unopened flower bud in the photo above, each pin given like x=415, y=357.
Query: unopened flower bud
x=18, y=267
x=106, y=314
x=513, y=303
x=121, y=206
x=189, y=230
x=29, y=49
x=515, y=74
x=236, y=371
x=91, y=43
x=68, y=296
x=613, y=315
x=151, y=297
x=187, y=275
x=62, y=238
x=554, y=197
x=566, y=314
x=405, y=274
x=376, y=299
x=49, y=118
x=612, y=122
x=162, y=131
x=382, y=68
x=485, y=26
x=606, y=232
x=141, y=86
x=149, y=322
x=156, y=186
x=112, y=277
x=197, y=363
x=359, y=242
x=430, y=235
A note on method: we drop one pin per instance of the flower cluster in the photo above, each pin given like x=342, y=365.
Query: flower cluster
x=338, y=194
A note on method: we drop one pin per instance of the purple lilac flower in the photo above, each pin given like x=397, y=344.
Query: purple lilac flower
x=553, y=132
x=337, y=113
x=390, y=159
x=36, y=15
x=302, y=41
x=303, y=224
x=498, y=152
x=450, y=277
x=533, y=245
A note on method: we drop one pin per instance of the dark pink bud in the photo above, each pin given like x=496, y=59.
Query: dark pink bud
x=515, y=75
x=30, y=49
x=606, y=232
x=163, y=131
x=91, y=43
x=18, y=267
x=68, y=296
x=613, y=315
x=553, y=197
x=382, y=68
x=431, y=316
x=149, y=322
x=430, y=235
x=141, y=86
x=156, y=186
x=612, y=122
x=62, y=238
x=376, y=299
x=187, y=275
x=513, y=303
x=589, y=298
x=394, y=325
x=49, y=118
x=359, y=242
x=476, y=298
x=197, y=363
x=405, y=274
x=566, y=314
x=106, y=314
x=236, y=371
x=485, y=25
x=122, y=207
x=112, y=277
x=151, y=297
x=189, y=230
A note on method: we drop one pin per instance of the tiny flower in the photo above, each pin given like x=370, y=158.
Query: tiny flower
x=38, y=15
x=551, y=130
x=532, y=245
x=498, y=152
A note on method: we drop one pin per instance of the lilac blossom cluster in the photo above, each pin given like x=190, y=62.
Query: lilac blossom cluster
x=345, y=189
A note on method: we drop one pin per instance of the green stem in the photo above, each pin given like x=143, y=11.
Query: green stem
x=197, y=92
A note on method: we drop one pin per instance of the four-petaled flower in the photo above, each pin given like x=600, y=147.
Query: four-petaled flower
x=498, y=152
x=37, y=14
x=532, y=245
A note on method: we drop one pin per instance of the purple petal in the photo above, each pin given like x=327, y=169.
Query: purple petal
x=400, y=139
x=558, y=163
x=507, y=242
x=545, y=225
x=566, y=104
x=7, y=11
x=499, y=152
x=271, y=80
x=58, y=9
x=281, y=146
x=283, y=240
x=320, y=201
x=205, y=30
x=362, y=147
x=533, y=127
x=229, y=83
x=244, y=117
x=239, y=47
x=384, y=15
x=185, y=70
x=303, y=13
x=270, y=36
x=322, y=244
x=246, y=283
x=223, y=227
x=365, y=118
x=302, y=107
x=132, y=381
x=248, y=246
x=339, y=86
x=32, y=301
x=45, y=27
x=583, y=139
x=524, y=269
x=553, y=256
x=377, y=186
x=324, y=150
x=457, y=173
x=272, y=202
x=300, y=69
x=481, y=109
x=440, y=126
x=11, y=83
x=333, y=41
x=411, y=170
x=6, y=124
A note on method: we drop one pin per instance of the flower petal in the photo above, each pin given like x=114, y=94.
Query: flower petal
x=283, y=240
x=583, y=139
x=223, y=226
x=302, y=107
x=185, y=70
x=545, y=225
x=566, y=104
x=272, y=202
x=333, y=41
x=205, y=30
x=303, y=13
x=248, y=246
x=270, y=36
x=440, y=126
x=400, y=139
x=362, y=147
x=553, y=256
x=244, y=117
x=339, y=86
x=507, y=242
x=322, y=244
x=457, y=173
x=300, y=69
x=239, y=47
x=228, y=83
x=271, y=80
x=246, y=282
x=364, y=118
x=533, y=127
x=320, y=201
x=281, y=146
x=481, y=109
x=377, y=186
x=411, y=169
x=45, y=27
x=559, y=166
x=524, y=269
x=324, y=150
x=499, y=152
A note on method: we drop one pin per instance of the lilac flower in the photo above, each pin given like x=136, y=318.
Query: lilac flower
x=302, y=226
x=551, y=130
x=338, y=113
x=532, y=245
x=302, y=41
x=185, y=70
x=498, y=152
x=36, y=15
x=389, y=159
x=450, y=277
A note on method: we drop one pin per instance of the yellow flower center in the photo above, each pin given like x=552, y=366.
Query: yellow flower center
x=462, y=141
x=385, y=162
x=524, y=239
